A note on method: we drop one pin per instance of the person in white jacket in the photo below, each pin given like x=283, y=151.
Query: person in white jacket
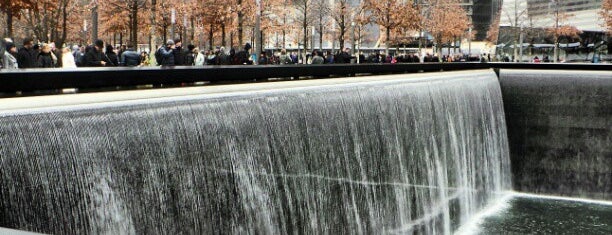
x=8, y=59
x=200, y=58
x=68, y=59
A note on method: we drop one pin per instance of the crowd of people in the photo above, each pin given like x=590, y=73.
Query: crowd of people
x=172, y=53
x=47, y=55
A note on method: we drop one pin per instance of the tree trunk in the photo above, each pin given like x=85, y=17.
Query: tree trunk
x=94, y=22
x=305, y=28
x=45, y=30
x=341, y=36
x=258, y=42
x=388, y=41
x=252, y=40
x=240, y=24
x=305, y=41
x=9, y=23
x=134, y=23
x=129, y=29
x=192, y=37
x=262, y=43
x=165, y=34
x=284, y=23
x=64, y=23
x=284, y=42
x=223, y=35
x=321, y=36
x=516, y=45
x=211, y=37
x=55, y=24
x=152, y=30
x=184, y=35
x=151, y=42
x=556, y=50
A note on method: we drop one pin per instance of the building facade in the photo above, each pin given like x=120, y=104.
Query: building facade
x=483, y=13
x=582, y=14
x=538, y=8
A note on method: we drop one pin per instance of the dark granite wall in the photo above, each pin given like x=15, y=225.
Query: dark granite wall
x=560, y=131
x=408, y=155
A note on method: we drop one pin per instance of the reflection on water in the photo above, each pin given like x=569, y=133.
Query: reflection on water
x=550, y=215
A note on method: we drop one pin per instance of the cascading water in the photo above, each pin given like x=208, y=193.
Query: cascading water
x=392, y=155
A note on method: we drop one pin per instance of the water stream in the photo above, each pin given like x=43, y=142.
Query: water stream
x=395, y=156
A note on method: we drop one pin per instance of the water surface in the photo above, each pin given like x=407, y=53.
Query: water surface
x=550, y=215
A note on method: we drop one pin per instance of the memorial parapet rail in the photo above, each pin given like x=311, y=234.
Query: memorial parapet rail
x=95, y=79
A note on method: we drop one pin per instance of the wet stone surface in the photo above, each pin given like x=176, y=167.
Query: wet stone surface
x=550, y=216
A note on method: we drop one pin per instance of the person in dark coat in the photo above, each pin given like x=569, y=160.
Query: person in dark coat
x=36, y=50
x=223, y=58
x=111, y=56
x=243, y=57
x=211, y=57
x=232, y=57
x=317, y=58
x=95, y=57
x=122, y=49
x=79, y=56
x=345, y=56
x=166, y=54
x=46, y=57
x=190, y=56
x=263, y=59
x=26, y=57
x=130, y=57
x=179, y=54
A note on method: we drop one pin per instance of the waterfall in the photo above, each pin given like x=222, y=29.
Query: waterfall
x=397, y=154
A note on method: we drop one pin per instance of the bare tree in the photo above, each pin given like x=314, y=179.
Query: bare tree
x=517, y=17
x=493, y=32
x=341, y=14
x=304, y=18
x=12, y=9
x=48, y=20
x=321, y=11
x=152, y=17
x=391, y=15
x=448, y=21
x=94, y=19
x=240, y=14
x=560, y=29
x=119, y=9
x=606, y=14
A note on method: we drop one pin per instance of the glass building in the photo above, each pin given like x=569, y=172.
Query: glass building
x=583, y=14
x=538, y=8
x=483, y=14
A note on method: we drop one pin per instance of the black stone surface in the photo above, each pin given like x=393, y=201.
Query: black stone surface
x=101, y=79
x=560, y=131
